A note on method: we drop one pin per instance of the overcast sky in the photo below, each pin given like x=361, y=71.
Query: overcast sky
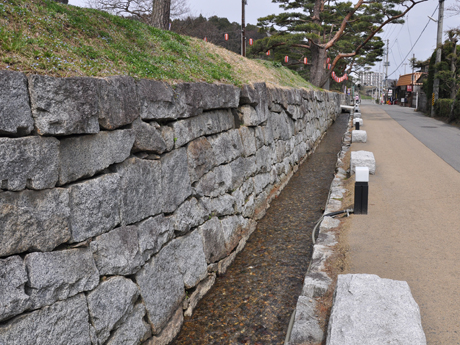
x=401, y=37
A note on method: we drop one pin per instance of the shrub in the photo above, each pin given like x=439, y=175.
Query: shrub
x=442, y=107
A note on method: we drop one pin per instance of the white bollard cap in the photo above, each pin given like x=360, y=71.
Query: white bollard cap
x=362, y=174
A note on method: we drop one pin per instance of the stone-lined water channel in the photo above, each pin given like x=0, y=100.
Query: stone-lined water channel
x=253, y=302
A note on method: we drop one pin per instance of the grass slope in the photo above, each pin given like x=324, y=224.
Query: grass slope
x=45, y=37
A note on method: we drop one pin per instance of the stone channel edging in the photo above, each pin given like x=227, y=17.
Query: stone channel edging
x=121, y=200
x=306, y=328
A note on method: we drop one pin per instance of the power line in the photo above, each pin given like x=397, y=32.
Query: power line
x=415, y=42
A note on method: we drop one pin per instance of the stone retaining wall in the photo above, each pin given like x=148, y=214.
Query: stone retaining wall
x=122, y=200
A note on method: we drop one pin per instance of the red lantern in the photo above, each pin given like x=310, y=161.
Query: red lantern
x=328, y=60
x=329, y=66
x=206, y=39
x=286, y=59
x=305, y=60
x=333, y=74
x=226, y=37
x=268, y=53
x=251, y=41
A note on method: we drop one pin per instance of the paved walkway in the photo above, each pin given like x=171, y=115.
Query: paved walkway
x=412, y=231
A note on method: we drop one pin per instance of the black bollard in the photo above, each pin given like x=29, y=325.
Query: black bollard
x=361, y=190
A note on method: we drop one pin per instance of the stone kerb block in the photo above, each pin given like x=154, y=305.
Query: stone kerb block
x=33, y=220
x=86, y=155
x=31, y=162
x=117, y=252
x=362, y=159
x=94, y=207
x=358, y=136
x=358, y=120
x=306, y=328
x=13, y=277
x=62, y=323
x=162, y=288
x=110, y=304
x=211, y=122
x=370, y=310
x=357, y=115
x=59, y=275
x=63, y=106
x=118, y=102
x=15, y=114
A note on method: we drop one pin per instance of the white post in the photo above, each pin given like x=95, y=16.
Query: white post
x=416, y=101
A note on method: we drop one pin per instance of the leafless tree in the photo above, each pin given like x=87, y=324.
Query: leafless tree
x=153, y=12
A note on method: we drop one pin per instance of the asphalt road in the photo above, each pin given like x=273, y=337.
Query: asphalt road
x=441, y=138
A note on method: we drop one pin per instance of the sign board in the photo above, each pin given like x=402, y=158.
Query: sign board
x=390, y=91
x=409, y=88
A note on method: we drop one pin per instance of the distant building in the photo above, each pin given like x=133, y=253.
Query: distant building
x=371, y=78
x=407, y=88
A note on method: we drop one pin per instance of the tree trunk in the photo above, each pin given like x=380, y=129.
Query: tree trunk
x=161, y=13
x=317, y=71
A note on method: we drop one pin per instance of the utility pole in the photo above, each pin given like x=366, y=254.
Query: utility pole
x=412, y=80
x=435, y=95
x=243, y=28
x=387, y=63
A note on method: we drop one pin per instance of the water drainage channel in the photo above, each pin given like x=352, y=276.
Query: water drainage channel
x=253, y=302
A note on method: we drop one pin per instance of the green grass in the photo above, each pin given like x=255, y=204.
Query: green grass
x=45, y=37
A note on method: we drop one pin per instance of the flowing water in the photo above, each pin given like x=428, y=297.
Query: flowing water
x=253, y=302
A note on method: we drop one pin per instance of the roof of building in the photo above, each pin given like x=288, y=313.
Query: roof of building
x=406, y=79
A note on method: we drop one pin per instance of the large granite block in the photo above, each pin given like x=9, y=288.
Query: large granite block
x=257, y=97
x=159, y=100
x=200, y=158
x=162, y=288
x=175, y=179
x=117, y=252
x=59, y=275
x=154, y=232
x=223, y=205
x=211, y=122
x=33, y=220
x=31, y=162
x=282, y=125
x=362, y=159
x=62, y=323
x=110, y=304
x=170, y=332
x=133, y=331
x=370, y=310
x=232, y=228
x=94, y=207
x=226, y=146
x=190, y=258
x=118, y=102
x=213, y=240
x=202, y=96
x=265, y=158
x=189, y=215
x=248, y=140
x=15, y=114
x=13, y=276
x=242, y=169
x=63, y=106
x=86, y=155
x=358, y=136
x=141, y=189
x=148, y=137
x=216, y=182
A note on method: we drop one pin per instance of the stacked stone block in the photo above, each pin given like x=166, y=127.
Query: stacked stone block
x=118, y=196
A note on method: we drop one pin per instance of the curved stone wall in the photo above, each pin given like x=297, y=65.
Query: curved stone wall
x=122, y=200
